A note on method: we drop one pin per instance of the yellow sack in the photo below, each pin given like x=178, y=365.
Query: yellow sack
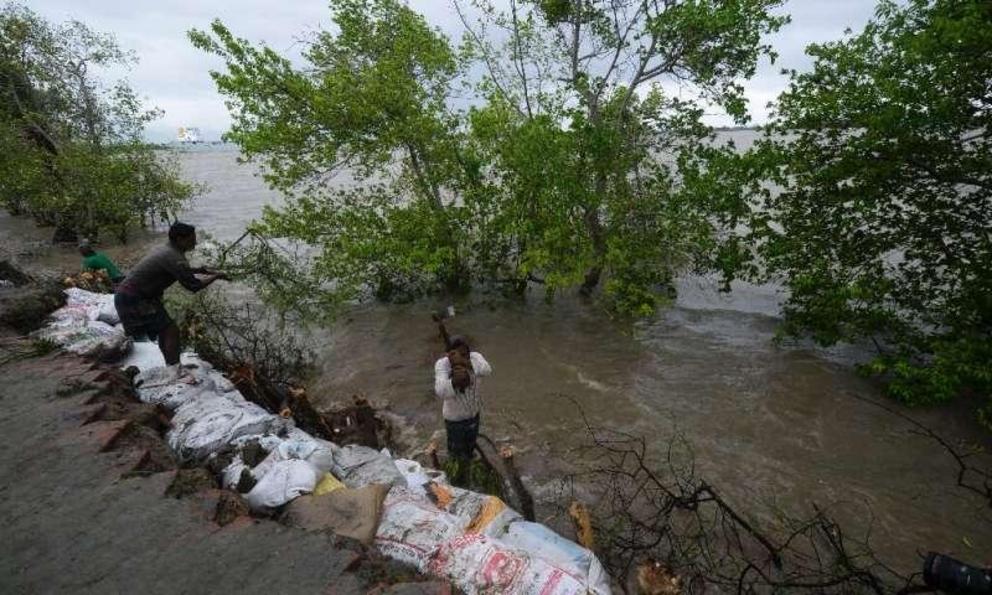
x=441, y=494
x=487, y=512
x=327, y=484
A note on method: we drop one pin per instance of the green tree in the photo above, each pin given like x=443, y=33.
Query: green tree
x=73, y=153
x=603, y=170
x=551, y=176
x=882, y=228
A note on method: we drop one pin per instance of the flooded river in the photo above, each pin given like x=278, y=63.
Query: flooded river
x=775, y=428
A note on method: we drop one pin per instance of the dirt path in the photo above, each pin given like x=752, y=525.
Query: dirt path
x=72, y=523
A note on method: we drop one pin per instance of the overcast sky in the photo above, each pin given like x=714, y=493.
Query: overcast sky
x=172, y=75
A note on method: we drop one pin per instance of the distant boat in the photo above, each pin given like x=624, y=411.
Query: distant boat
x=189, y=135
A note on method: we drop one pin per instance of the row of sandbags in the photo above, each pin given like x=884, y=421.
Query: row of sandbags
x=408, y=512
x=87, y=325
x=472, y=539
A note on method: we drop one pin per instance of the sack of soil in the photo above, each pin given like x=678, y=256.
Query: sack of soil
x=412, y=528
x=358, y=466
x=347, y=512
x=282, y=482
x=210, y=422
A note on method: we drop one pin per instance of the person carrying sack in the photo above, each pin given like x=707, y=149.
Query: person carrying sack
x=456, y=383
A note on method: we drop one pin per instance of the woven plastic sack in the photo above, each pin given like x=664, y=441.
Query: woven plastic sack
x=209, y=422
x=567, y=555
x=282, y=482
x=358, y=466
x=478, y=563
x=412, y=528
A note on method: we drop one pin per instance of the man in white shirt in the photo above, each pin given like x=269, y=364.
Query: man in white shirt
x=456, y=383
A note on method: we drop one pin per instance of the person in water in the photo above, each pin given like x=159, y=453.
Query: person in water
x=139, y=297
x=98, y=261
x=456, y=383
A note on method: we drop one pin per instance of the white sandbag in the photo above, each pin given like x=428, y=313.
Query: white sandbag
x=160, y=386
x=100, y=306
x=411, y=528
x=209, y=422
x=268, y=442
x=69, y=315
x=357, y=466
x=108, y=314
x=231, y=474
x=75, y=296
x=62, y=333
x=285, y=481
x=163, y=385
x=85, y=337
x=76, y=327
x=417, y=476
x=199, y=368
x=144, y=355
x=222, y=384
x=319, y=453
x=562, y=553
x=299, y=446
x=324, y=455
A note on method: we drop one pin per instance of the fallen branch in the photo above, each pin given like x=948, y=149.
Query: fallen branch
x=655, y=516
x=975, y=480
x=500, y=460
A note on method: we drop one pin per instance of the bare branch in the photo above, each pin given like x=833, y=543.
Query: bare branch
x=658, y=514
x=487, y=57
x=519, y=57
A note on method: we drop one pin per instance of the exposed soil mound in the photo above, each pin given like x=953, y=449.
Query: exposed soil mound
x=24, y=308
x=358, y=423
x=230, y=506
x=190, y=481
x=9, y=272
x=136, y=437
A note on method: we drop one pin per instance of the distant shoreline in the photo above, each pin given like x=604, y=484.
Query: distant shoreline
x=736, y=128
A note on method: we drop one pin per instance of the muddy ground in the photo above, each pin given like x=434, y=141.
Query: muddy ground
x=91, y=502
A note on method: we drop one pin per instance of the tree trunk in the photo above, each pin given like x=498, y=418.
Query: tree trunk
x=64, y=232
x=598, y=237
x=591, y=280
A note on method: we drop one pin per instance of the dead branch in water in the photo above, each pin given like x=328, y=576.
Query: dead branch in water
x=500, y=460
x=658, y=512
x=975, y=480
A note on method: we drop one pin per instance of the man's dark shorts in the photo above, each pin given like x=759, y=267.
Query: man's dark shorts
x=141, y=317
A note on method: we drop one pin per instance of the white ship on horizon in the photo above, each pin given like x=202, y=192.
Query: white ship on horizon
x=189, y=135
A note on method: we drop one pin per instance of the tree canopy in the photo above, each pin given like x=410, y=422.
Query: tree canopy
x=73, y=153
x=883, y=228
x=571, y=163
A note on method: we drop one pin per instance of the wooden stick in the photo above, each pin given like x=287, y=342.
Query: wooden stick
x=583, y=524
x=526, y=500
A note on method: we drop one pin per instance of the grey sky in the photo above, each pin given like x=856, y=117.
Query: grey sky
x=174, y=76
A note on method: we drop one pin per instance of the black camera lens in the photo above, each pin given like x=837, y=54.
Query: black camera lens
x=955, y=577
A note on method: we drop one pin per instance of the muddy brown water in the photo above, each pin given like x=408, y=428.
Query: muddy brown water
x=774, y=427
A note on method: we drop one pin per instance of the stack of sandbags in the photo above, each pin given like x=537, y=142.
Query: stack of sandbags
x=87, y=325
x=409, y=513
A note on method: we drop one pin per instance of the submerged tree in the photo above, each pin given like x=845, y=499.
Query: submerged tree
x=571, y=164
x=883, y=228
x=73, y=154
